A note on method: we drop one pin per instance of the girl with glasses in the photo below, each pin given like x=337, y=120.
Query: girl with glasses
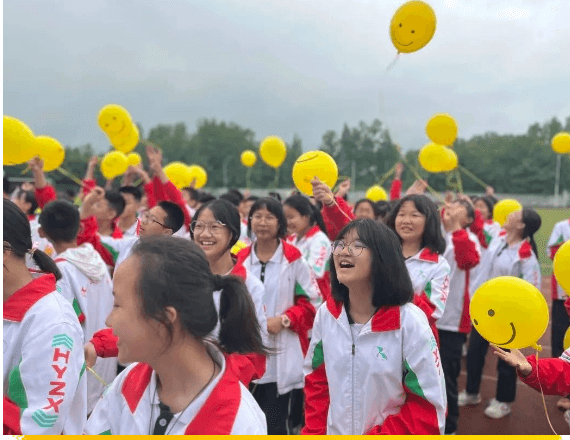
x=416, y=221
x=373, y=365
x=178, y=382
x=289, y=288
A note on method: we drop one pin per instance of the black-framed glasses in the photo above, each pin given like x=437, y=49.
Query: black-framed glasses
x=354, y=248
x=146, y=217
x=215, y=227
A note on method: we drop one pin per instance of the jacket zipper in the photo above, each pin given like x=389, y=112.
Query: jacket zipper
x=352, y=384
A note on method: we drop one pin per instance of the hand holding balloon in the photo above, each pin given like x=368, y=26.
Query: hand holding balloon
x=515, y=359
x=321, y=192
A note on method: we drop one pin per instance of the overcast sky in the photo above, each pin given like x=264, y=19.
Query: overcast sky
x=283, y=67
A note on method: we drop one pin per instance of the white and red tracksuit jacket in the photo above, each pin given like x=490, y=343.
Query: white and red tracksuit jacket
x=87, y=285
x=316, y=249
x=337, y=216
x=246, y=367
x=43, y=358
x=554, y=374
x=289, y=288
x=389, y=380
x=429, y=273
x=560, y=235
x=463, y=253
x=130, y=406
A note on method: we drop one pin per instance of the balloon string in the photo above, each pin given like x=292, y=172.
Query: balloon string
x=459, y=183
x=341, y=211
x=248, y=178
x=72, y=177
x=472, y=176
x=276, y=181
x=393, y=63
x=542, y=394
x=387, y=174
x=97, y=377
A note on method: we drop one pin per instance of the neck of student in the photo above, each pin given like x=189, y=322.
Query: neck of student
x=16, y=277
x=60, y=248
x=513, y=237
x=360, y=297
x=223, y=265
x=410, y=248
x=125, y=223
x=302, y=233
x=265, y=249
x=105, y=227
x=183, y=372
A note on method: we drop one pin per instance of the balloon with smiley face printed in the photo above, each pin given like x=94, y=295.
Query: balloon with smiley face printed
x=412, y=26
x=509, y=312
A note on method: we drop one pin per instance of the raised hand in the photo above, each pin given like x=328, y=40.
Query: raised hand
x=321, y=192
x=515, y=359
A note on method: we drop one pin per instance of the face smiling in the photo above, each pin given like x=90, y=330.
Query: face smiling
x=410, y=223
x=214, y=244
x=352, y=269
x=296, y=223
x=412, y=26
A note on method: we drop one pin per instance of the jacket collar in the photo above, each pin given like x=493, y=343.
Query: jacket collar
x=16, y=307
x=239, y=270
x=426, y=255
x=312, y=232
x=384, y=320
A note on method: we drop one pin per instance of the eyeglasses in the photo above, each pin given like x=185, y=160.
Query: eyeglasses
x=214, y=227
x=355, y=248
x=146, y=217
x=268, y=219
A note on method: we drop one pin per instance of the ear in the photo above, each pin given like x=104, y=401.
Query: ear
x=168, y=231
x=41, y=232
x=171, y=314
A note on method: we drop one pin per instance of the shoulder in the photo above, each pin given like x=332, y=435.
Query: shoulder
x=250, y=419
x=290, y=252
x=413, y=318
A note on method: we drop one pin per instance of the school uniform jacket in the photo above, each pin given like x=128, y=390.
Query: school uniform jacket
x=463, y=253
x=554, y=374
x=560, y=234
x=316, y=249
x=87, y=285
x=43, y=360
x=336, y=216
x=388, y=381
x=224, y=407
x=289, y=288
x=429, y=273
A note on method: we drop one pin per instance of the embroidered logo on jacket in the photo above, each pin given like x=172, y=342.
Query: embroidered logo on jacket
x=381, y=353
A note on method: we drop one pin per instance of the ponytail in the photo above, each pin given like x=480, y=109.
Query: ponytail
x=304, y=207
x=239, y=328
x=532, y=223
x=46, y=264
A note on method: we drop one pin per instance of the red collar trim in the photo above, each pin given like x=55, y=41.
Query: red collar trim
x=428, y=255
x=135, y=385
x=16, y=307
x=291, y=252
x=239, y=271
x=489, y=221
x=502, y=233
x=525, y=251
x=386, y=319
x=312, y=232
x=334, y=306
x=221, y=406
x=243, y=254
x=117, y=233
x=31, y=217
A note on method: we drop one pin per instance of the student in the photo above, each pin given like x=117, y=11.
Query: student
x=373, y=365
x=309, y=234
x=178, y=383
x=26, y=201
x=43, y=341
x=244, y=208
x=416, y=221
x=128, y=221
x=191, y=197
x=462, y=252
x=365, y=208
x=335, y=210
x=85, y=283
x=289, y=289
x=485, y=206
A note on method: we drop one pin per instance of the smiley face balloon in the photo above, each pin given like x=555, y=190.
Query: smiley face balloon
x=412, y=26
x=509, y=313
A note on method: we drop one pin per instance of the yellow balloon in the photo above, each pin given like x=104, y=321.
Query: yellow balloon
x=51, y=152
x=562, y=266
x=314, y=164
x=238, y=247
x=561, y=143
x=134, y=159
x=412, y=26
x=199, y=174
x=273, y=151
x=503, y=208
x=450, y=160
x=19, y=142
x=509, y=312
x=178, y=174
x=113, y=119
x=566, y=343
x=126, y=142
x=248, y=158
x=442, y=129
x=113, y=164
x=432, y=157
x=376, y=193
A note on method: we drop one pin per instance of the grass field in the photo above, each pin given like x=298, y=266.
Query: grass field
x=549, y=217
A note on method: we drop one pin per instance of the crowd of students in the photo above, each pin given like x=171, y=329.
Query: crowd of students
x=129, y=314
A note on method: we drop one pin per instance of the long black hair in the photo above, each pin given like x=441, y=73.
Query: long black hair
x=532, y=222
x=391, y=283
x=174, y=272
x=432, y=237
x=225, y=212
x=18, y=234
x=304, y=207
x=275, y=208
x=370, y=202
